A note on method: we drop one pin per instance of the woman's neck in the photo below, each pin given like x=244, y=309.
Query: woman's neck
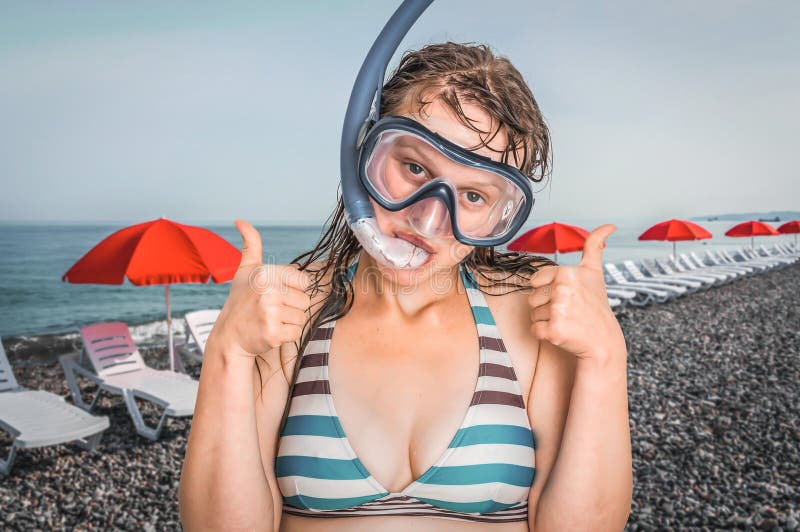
x=410, y=293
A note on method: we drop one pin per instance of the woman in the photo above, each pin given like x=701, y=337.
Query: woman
x=393, y=422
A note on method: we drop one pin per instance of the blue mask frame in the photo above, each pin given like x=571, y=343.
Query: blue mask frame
x=439, y=189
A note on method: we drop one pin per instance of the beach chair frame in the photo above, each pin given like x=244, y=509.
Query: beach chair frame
x=86, y=434
x=644, y=295
x=198, y=326
x=72, y=369
x=113, y=354
x=638, y=276
x=692, y=261
x=661, y=292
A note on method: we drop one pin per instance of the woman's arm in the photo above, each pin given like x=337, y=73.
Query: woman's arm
x=591, y=481
x=590, y=484
x=228, y=480
x=223, y=485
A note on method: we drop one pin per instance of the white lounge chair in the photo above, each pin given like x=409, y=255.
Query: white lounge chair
x=198, y=326
x=693, y=261
x=621, y=296
x=620, y=293
x=717, y=260
x=722, y=277
x=760, y=266
x=619, y=279
x=637, y=275
x=788, y=249
x=120, y=370
x=690, y=265
x=658, y=268
x=644, y=295
x=669, y=267
x=763, y=252
x=785, y=251
x=36, y=418
x=751, y=258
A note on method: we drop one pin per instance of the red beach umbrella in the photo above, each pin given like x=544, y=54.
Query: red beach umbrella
x=551, y=238
x=675, y=230
x=751, y=228
x=789, y=228
x=158, y=252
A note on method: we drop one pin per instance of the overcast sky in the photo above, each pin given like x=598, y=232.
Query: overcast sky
x=204, y=112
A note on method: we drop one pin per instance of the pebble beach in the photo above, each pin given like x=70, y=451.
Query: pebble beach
x=714, y=392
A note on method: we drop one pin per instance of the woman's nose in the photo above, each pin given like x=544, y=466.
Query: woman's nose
x=429, y=217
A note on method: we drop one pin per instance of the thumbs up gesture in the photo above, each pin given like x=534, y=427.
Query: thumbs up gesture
x=569, y=306
x=267, y=303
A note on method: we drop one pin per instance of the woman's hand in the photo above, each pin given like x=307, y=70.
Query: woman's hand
x=569, y=305
x=267, y=304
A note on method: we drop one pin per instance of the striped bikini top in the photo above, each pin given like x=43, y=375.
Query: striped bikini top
x=485, y=474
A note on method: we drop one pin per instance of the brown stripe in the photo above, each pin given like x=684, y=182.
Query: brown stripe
x=322, y=333
x=382, y=505
x=492, y=397
x=497, y=370
x=313, y=360
x=372, y=507
x=522, y=516
x=310, y=388
x=432, y=513
x=387, y=499
x=489, y=342
x=520, y=505
x=411, y=502
x=405, y=501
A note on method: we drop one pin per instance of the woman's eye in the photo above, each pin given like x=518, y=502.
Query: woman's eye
x=415, y=169
x=474, y=197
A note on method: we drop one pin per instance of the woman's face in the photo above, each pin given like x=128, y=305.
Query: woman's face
x=445, y=251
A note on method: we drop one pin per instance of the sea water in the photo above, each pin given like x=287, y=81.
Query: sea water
x=33, y=257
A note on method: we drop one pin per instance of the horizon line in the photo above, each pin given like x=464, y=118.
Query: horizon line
x=284, y=222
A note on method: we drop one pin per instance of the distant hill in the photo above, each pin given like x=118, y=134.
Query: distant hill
x=782, y=216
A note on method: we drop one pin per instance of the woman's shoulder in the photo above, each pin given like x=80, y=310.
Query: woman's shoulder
x=320, y=287
x=506, y=294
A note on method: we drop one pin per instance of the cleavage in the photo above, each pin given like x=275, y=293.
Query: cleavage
x=401, y=401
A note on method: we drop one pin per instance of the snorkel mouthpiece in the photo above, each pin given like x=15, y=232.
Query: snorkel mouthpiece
x=362, y=110
x=390, y=251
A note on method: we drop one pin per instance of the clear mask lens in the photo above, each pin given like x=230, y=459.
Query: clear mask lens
x=401, y=163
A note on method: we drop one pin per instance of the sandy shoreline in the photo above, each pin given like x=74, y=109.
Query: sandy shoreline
x=714, y=387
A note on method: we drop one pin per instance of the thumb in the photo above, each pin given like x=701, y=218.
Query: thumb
x=593, y=247
x=251, y=243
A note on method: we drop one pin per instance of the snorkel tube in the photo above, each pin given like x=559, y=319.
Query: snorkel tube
x=363, y=110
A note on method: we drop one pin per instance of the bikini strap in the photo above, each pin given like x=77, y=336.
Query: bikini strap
x=467, y=277
x=480, y=309
x=351, y=270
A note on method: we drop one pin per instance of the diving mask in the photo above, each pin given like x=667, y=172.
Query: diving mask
x=443, y=186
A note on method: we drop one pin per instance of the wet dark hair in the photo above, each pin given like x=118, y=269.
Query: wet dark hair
x=453, y=73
